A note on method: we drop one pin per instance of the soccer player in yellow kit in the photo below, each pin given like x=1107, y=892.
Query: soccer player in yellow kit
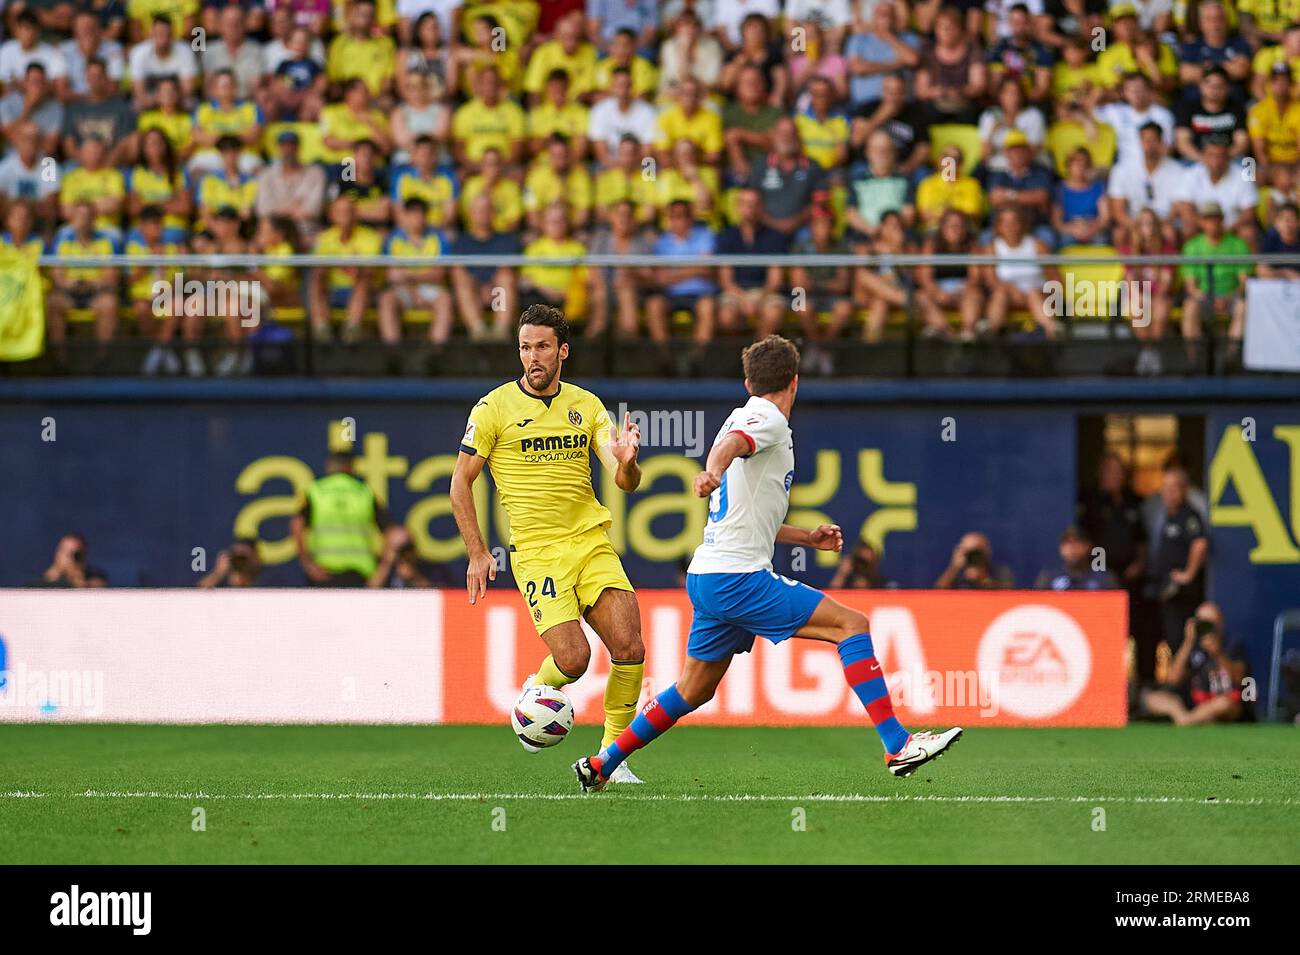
x=537, y=434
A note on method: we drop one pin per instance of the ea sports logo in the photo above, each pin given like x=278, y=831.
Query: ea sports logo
x=1041, y=659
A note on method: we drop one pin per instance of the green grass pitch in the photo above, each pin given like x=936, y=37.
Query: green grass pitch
x=127, y=794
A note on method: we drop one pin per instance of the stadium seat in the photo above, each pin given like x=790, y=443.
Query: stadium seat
x=1092, y=283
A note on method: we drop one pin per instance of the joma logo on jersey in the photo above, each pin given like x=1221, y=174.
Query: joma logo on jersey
x=553, y=443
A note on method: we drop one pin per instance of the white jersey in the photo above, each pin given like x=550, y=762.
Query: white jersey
x=749, y=506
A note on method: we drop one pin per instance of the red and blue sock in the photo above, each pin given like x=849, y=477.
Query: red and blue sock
x=659, y=715
x=868, y=682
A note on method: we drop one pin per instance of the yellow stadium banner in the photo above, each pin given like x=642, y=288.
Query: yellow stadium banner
x=22, y=307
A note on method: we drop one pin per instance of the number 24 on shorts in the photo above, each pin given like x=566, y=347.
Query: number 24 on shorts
x=530, y=590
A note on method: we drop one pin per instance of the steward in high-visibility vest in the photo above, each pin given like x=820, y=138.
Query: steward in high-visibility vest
x=335, y=529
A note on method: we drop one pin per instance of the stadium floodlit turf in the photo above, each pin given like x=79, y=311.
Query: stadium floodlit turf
x=91, y=794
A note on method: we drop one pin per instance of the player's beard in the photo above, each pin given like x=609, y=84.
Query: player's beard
x=540, y=377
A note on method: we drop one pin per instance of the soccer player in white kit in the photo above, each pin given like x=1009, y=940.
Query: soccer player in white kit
x=736, y=594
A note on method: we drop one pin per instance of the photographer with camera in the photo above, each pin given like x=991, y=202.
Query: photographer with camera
x=400, y=566
x=69, y=567
x=972, y=567
x=237, y=566
x=860, y=569
x=1204, y=682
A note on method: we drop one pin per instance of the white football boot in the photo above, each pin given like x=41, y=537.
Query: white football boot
x=920, y=748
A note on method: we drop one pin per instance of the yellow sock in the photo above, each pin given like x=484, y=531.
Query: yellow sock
x=622, y=691
x=548, y=674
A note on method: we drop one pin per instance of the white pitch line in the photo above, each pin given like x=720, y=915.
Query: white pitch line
x=643, y=797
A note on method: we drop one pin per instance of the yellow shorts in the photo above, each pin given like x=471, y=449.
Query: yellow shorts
x=561, y=581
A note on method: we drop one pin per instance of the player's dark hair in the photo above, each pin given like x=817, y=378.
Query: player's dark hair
x=770, y=365
x=547, y=317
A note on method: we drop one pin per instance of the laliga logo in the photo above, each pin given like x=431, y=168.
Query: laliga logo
x=1041, y=657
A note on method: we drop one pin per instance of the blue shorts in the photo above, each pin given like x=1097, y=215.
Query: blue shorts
x=731, y=609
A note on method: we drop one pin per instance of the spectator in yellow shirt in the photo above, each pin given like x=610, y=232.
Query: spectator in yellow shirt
x=556, y=113
x=347, y=287
x=1265, y=20
x=422, y=287
x=1274, y=123
x=345, y=124
x=170, y=117
x=1074, y=75
x=422, y=180
x=553, y=284
x=627, y=181
x=489, y=121
x=92, y=288
x=227, y=187
x=825, y=136
x=507, y=199
x=226, y=115
x=157, y=181
x=1287, y=51
x=555, y=178
x=93, y=182
x=358, y=53
x=1129, y=50
x=622, y=54
x=487, y=49
x=154, y=318
x=688, y=180
x=688, y=118
x=568, y=52
x=946, y=188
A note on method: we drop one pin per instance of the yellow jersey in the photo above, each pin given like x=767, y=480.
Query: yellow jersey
x=363, y=242
x=143, y=12
x=154, y=190
x=822, y=138
x=615, y=185
x=507, y=202
x=543, y=186
x=438, y=192
x=550, y=56
x=85, y=185
x=373, y=59
x=482, y=127
x=558, y=278
x=704, y=128
x=546, y=118
x=539, y=453
x=175, y=126
x=644, y=75
x=1279, y=128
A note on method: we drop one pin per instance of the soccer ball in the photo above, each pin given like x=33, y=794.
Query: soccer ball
x=542, y=717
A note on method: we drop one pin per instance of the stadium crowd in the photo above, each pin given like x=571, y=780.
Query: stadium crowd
x=414, y=128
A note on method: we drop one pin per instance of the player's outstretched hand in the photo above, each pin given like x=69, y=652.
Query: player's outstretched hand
x=706, y=482
x=625, y=446
x=482, y=568
x=827, y=537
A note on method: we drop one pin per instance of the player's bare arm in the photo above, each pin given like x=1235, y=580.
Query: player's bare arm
x=821, y=537
x=482, y=567
x=724, y=452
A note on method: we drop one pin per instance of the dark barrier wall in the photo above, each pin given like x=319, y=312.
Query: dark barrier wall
x=150, y=473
